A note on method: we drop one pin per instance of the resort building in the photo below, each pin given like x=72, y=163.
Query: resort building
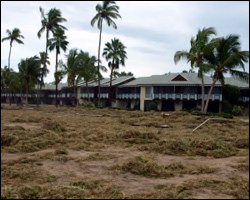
x=169, y=92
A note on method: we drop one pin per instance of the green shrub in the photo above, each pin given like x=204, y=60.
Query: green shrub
x=152, y=106
x=89, y=105
x=237, y=111
x=227, y=107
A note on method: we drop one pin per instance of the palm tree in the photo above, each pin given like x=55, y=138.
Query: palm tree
x=87, y=69
x=7, y=80
x=30, y=72
x=50, y=22
x=44, y=60
x=196, y=54
x=58, y=42
x=107, y=11
x=115, y=55
x=13, y=36
x=226, y=57
x=71, y=68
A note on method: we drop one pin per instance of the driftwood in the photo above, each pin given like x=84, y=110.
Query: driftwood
x=207, y=121
x=88, y=115
x=148, y=125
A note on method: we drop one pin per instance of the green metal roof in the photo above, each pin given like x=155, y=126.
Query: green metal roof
x=191, y=79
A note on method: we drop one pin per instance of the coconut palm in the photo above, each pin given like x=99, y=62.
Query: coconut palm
x=196, y=55
x=13, y=36
x=115, y=55
x=87, y=69
x=107, y=12
x=71, y=68
x=50, y=22
x=58, y=42
x=226, y=57
x=30, y=72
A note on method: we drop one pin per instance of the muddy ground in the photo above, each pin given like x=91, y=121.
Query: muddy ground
x=50, y=152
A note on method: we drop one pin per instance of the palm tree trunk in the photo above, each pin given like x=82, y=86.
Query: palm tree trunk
x=9, y=55
x=56, y=78
x=21, y=96
x=75, y=91
x=202, y=94
x=99, y=82
x=110, y=87
x=209, y=94
x=9, y=97
x=44, y=67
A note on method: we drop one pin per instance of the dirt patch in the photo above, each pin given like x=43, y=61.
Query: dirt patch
x=24, y=125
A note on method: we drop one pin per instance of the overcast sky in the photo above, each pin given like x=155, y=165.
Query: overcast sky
x=151, y=31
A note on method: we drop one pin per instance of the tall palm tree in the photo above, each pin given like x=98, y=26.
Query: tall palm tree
x=196, y=55
x=107, y=12
x=30, y=72
x=13, y=36
x=50, y=22
x=115, y=55
x=58, y=42
x=226, y=57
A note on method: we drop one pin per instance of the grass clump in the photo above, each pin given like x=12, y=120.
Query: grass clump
x=61, y=151
x=242, y=165
x=149, y=168
x=8, y=140
x=137, y=137
x=54, y=126
x=193, y=146
x=144, y=167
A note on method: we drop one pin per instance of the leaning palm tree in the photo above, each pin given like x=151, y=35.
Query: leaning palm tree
x=13, y=36
x=50, y=22
x=58, y=42
x=199, y=47
x=226, y=57
x=30, y=72
x=115, y=55
x=107, y=11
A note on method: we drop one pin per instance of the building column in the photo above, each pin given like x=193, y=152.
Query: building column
x=159, y=106
x=142, y=98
